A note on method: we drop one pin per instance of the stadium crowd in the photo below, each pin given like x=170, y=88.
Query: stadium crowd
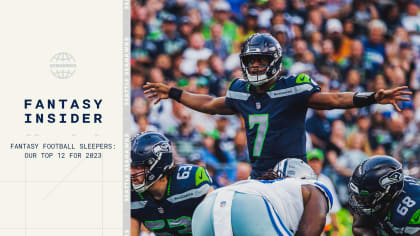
x=344, y=45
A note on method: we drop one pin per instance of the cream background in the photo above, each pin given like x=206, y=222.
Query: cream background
x=67, y=196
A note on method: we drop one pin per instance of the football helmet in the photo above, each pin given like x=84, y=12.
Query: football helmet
x=294, y=168
x=151, y=152
x=375, y=183
x=265, y=49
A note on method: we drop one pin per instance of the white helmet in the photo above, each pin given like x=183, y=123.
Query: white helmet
x=294, y=168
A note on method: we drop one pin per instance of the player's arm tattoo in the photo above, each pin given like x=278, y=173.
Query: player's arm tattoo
x=325, y=101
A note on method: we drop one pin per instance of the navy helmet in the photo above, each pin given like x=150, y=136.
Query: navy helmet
x=261, y=46
x=375, y=183
x=153, y=152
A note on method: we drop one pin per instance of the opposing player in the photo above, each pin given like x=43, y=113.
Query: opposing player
x=273, y=107
x=383, y=200
x=164, y=195
x=285, y=206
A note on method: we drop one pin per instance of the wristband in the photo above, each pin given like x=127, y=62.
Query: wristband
x=364, y=99
x=175, y=93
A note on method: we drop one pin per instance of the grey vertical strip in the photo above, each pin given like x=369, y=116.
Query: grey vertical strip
x=126, y=118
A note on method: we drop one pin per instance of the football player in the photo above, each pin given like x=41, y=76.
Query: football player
x=274, y=107
x=384, y=201
x=296, y=205
x=164, y=195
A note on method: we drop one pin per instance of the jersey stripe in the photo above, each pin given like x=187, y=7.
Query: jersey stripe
x=138, y=205
x=192, y=193
x=290, y=91
x=277, y=222
x=237, y=95
x=222, y=217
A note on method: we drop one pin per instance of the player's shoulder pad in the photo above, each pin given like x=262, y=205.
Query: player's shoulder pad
x=189, y=181
x=404, y=216
x=412, y=191
x=191, y=176
x=239, y=85
x=301, y=78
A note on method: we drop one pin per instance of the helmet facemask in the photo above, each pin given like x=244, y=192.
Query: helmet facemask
x=152, y=169
x=365, y=203
x=258, y=69
x=137, y=186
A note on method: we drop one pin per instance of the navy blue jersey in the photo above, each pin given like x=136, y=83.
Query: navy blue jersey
x=403, y=218
x=274, y=120
x=187, y=186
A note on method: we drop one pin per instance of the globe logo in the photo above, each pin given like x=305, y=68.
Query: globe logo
x=63, y=65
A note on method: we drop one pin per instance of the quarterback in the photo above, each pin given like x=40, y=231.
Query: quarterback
x=273, y=107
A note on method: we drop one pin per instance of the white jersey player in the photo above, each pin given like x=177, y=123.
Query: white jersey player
x=274, y=206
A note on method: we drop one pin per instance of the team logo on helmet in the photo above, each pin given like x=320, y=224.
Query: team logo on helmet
x=161, y=148
x=392, y=177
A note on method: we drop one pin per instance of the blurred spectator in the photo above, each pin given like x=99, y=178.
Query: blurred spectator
x=363, y=11
x=185, y=136
x=319, y=129
x=275, y=6
x=411, y=22
x=212, y=154
x=315, y=159
x=170, y=42
x=341, y=43
x=226, y=134
x=314, y=22
x=144, y=125
x=326, y=64
x=185, y=27
x=217, y=43
x=397, y=129
x=356, y=61
x=244, y=171
x=348, y=161
x=250, y=25
x=315, y=43
x=164, y=63
x=156, y=75
x=142, y=49
x=138, y=78
x=195, y=19
x=392, y=16
x=166, y=114
x=352, y=83
x=375, y=45
x=221, y=15
x=193, y=53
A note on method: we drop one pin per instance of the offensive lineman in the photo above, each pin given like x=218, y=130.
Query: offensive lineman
x=164, y=195
x=273, y=107
x=296, y=205
x=384, y=202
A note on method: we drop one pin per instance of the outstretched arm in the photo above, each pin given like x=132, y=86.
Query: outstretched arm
x=346, y=99
x=315, y=211
x=198, y=102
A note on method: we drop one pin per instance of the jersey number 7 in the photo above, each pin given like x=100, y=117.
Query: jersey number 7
x=262, y=121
